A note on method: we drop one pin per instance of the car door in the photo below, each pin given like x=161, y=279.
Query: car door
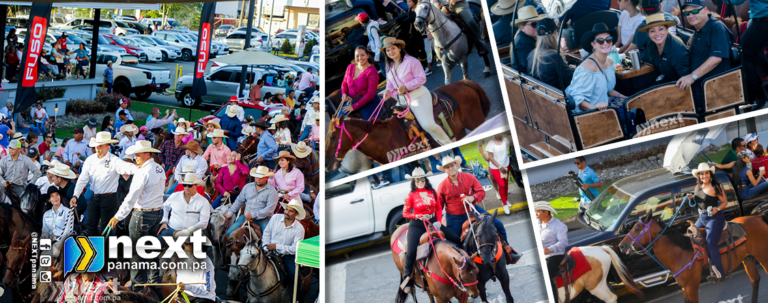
x=349, y=211
x=220, y=87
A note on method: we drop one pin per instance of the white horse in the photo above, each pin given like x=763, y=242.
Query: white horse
x=451, y=44
x=600, y=259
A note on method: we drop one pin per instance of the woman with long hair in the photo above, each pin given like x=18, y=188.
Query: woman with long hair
x=358, y=90
x=421, y=206
x=752, y=182
x=231, y=178
x=107, y=125
x=543, y=61
x=405, y=82
x=710, y=198
x=288, y=180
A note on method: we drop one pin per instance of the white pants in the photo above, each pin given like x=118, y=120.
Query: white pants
x=428, y=49
x=421, y=107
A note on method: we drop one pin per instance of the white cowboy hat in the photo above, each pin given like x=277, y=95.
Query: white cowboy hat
x=217, y=133
x=181, y=120
x=703, y=167
x=544, y=205
x=750, y=137
x=272, y=127
x=247, y=130
x=449, y=160
x=180, y=131
x=128, y=157
x=278, y=118
x=300, y=149
x=296, y=204
x=187, y=169
x=232, y=110
x=261, y=172
x=62, y=170
x=189, y=179
x=503, y=7
x=46, y=163
x=417, y=173
x=527, y=13
x=141, y=146
x=129, y=128
x=102, y=138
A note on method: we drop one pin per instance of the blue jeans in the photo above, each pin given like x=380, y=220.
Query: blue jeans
x=751, y=191
x=173, y=188
x=714, y=225
x=217, y=202
x=241, y=219
x=41, y=127
x=457, y=152
x=166, y=232
x=290, y=265
x=143, y=223
x=305, y=133
x=455, y=221
x=26, y=130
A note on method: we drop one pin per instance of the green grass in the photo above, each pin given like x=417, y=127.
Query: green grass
x=566, y=206
x=471, y=153
x=717, y=157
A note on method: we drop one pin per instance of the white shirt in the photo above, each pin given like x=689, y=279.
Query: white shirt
x=192, y=216
x=57, y=225
x=125, y=143
x=309, y=117
x=629, y=25
x=285, y=238
x=102, y=174
x=373, y=39
x=207, y=290
x=316, y=49
x=284, y=135
x=43, y=183
x=146, y=191
x=500, y=152
x=197, y=162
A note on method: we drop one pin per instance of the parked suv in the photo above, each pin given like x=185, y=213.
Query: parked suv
x=222, y=30
x=170, y=52
x=117, y=28
x=236, y=40
x=188, y=48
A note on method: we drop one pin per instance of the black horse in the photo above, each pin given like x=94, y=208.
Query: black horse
x=490, y=243
x=30, y=203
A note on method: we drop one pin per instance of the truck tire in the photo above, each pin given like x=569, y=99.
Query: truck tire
x=142, y=94
x=760, y=210
x=122, y=87
x=165, y=57
x=395, y=221
x=188, y=101
x=186, y=55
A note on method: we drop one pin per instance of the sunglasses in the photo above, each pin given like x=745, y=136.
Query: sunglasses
x=576, y=162
x=419, y=180
x=601, y=41
x=533, y=24
x=188, y=185
x=694, y=12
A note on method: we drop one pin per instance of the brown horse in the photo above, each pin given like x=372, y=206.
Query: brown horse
x=248, y=148
x=456, y=264
x=388, y=135
x=675, y=251
x=18, y=270
x=13, y=219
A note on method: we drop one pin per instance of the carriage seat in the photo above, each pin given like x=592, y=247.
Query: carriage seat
x=733, y=234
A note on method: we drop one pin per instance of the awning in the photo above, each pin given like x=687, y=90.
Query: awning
x=308, y=252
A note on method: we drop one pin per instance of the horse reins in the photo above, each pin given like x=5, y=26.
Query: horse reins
x=251, y=275
x=460, y=285
x=19, y=280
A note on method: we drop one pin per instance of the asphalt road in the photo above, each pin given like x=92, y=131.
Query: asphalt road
x=369, y=275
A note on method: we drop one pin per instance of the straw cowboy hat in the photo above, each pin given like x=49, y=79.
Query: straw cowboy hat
x=182, y=120
x=62, y=170
x=285, y=154
x=215, y=124
x=20, y=136
x=296, y=204
x=656, y=20
x=449, y=160
x=261, y=172
x=129, y=128
x=272, y=127
x=46, y=163
x=232, y=110
x=702, y=168
x=187, y=169
x=217, y=133
x=102, y=138
x=192, y=145
x=180, y=131
x=417, y=173
x=141, y=146
x=503, y=7
x=278, y=118
x=597, y=29
x=544, y=205
x=128, y=157
x=527, y=13
x=189, y=179
x=301, y=150
x=389, y=41
x=247, y=130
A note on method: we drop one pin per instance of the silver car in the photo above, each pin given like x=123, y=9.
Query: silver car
x=236, y=40
x=170, y=52
x=188, y=48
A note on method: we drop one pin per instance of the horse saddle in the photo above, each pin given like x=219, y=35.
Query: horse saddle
x=511, y=255
x=443, y=108
x=279, y=266
x=424, y=248
x=572, y=267
x=732, y=235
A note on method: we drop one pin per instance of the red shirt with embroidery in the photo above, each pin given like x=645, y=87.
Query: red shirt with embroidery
x=423, y=202
x=449, y=194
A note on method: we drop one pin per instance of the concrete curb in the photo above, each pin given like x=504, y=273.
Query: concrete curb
x=514, y=207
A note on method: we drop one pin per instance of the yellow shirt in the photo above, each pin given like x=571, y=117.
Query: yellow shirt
x=290, y=102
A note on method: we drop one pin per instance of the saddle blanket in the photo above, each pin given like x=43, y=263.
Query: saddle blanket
x=581, y=267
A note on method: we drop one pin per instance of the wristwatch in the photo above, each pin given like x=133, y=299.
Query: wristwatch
x=694, y=77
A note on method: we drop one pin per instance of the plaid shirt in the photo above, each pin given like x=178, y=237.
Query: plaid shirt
x=170, y=154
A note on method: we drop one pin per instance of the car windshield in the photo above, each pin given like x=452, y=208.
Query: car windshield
x=182, y=38
x=158, y=41
x=141, y=42
x=608, y=206
x=121, y=24
x=118, y=40
x=103, y=40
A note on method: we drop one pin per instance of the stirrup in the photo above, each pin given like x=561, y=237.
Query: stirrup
x=406, y=286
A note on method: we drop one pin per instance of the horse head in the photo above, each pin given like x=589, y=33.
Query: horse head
x=29, y=200
x=16, y=259
x=219, y=223
x=487, y=237
x=466, y=273
x=335, y=150
x=425, y=15
x=249, y=255
x=642, y=233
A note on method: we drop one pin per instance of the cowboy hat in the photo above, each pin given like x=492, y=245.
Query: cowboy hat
x=247, y=130
x=187, y=169
x=449, y=160
x=189, y=179
x=128, y=157
x=656, y=20
x=215, y=124
x=748, y=138
x=62, y=170
x=232, y=110
x=141, y=146
x=20, y=136
x=180, y=131
x=297, y=205
x=278, y=118
x=182, y=120
x=300, y=149
x=261, y=172
x=544, y=205
x=597, y=29
x=703, y=167
x=285, y=154
x=217, y=133
x=52, y=189
x=527, y=13
x=417, y=173
x=129, y=128
x=46, y=163
x=272, y=127
x=503, y=7
x=91, y=122
x=260, y=123
x=102, y=138
x=193, y=146
x=389, y=41
x=233, y=99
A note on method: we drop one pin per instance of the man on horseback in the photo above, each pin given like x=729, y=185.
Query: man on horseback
x=283, y=233
x=554, y=239
x=188, y=210
x=260, y=199
x=266, y=151
x=193, y=156
x=15, y=168
x=461, y=8
x=217, y=153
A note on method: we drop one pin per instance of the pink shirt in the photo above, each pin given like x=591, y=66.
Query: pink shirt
x=315, y=134
x=227, y=182
x=293, y=182
x=187, y=138
x=217, y=156
x=365, y=85
x=409, y=73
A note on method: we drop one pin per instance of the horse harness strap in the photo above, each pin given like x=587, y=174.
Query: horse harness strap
x=271, y=289
x=449, y=43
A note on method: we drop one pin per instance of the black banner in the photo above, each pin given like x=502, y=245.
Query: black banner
x=33, y=45
x=203, y=49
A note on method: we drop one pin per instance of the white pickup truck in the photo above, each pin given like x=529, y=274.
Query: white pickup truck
x=130, y=77
x=357, y=214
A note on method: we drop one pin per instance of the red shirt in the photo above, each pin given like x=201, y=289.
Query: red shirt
x=42, y=148
x=757, y=162
x=422, y=202
x=449, y=194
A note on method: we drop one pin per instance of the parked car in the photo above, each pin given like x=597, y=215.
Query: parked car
x=124, y=18
x=89, y=28
x=222, y=30
x=169, y=52
x=119, y=42
x=58, y=19
x=130, y=77
x=291, y=36
x=137, y=26
x=243, y=29
x=236, y=40
x=152, y=54
x=305, y=65
x=117, y=28
x=188, y=48
x=170, y=23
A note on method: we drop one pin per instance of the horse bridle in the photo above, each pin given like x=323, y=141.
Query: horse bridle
x=493, y=244
x=19, y=280
x=461, y=285
x=635, y=240
x=425, y=18
x=251, y=275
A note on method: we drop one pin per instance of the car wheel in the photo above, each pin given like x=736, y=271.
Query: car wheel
x=122, y=87
x=143, y=94
x=186, y=55
x=143, y=58
x=165, y=57
x=187, y=100
x=121, y=35
x=396, y=220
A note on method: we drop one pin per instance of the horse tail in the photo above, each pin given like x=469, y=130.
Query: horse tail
x=485, y=102
x=624, y=274
x=401, y=295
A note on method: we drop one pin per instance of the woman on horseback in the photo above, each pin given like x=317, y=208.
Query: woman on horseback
x=288, y=180
x=231, y=179
x=405, y=79
x=358, y=90
x=283, y=132
x=59, y=221
x=710, y=198
x=426, y=207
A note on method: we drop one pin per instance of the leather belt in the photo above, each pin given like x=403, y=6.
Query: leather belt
x=147, y=210
x=103, y=195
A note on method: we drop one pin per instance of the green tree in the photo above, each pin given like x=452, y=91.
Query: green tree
x=308, y=47
x=287, y=47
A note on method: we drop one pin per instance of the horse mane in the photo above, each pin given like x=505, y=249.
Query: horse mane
x=364, y=125
x=677, y=238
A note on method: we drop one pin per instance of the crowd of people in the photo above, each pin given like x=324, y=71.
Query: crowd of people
x=59, y=63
